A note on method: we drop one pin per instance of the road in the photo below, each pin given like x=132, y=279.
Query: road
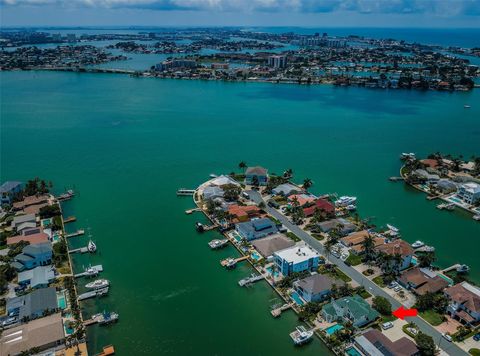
x=449, y=347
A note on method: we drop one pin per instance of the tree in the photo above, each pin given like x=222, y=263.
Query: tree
x=307, y=183
x=382, y=305
x=242, y=165
x=425, y=344
x=369, y=248
x=426, y=259
x=288, y=173
x=255, y=181
x=231, y=192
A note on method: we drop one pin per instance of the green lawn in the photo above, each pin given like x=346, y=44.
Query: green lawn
x=379, y=281
x=432, y=317
x=474, y=351
x=386, y=318
x=353, y=260
x=293, y=236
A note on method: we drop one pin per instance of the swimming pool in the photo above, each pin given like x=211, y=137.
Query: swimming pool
x=46, y=222
x=332, y=329
x=414, y=260
x=237, y=237
x=270, y=270
x=67, y=327
x=448, y=279
x=61, y=300
x=296, y=298
x=353, y=352
x=255, y=256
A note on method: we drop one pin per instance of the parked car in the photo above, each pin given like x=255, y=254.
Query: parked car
x=447, y=337
x=245, y=195
x=476, y=337
x=387, y=325
x=397, y=289
x=393, y=285
x=273, y=204
x=9, y=321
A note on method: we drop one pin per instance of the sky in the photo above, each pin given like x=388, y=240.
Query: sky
x=303, y=13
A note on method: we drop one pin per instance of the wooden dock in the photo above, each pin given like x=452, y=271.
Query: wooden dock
x=278, y=311
x=76, y=233
x=184, y=191
x=107, y=350
x=395, y=179
x=224, y=262
x=69, y=219
x=210, y=227
x=191, y=211
x=97, y=269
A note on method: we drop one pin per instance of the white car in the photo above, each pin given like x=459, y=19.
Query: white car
x=397, y=289
x=387, y=325
x=447, y=337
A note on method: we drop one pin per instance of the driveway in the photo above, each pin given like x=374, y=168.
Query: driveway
x=371, y=287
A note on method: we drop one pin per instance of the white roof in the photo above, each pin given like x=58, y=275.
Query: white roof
x=471, y=288
x=297, y=254
x=223, y=180
x=471, y=187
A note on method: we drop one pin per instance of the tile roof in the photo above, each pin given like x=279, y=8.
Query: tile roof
x=318, y=283
x=466, y=294
x=396, y=247
x=273, y=243
x=32, y=239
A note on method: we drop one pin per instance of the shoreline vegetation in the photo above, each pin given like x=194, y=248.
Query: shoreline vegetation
x=230, y=202
x=243, y=56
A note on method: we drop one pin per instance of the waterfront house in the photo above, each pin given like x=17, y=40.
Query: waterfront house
x=296, y=259
x=286, y=189
x=256, y=228
x=39, y=277
x=8, y=190
x=33, y=256
x=28, y=221
x=39, y=335
x=398, y=247
x=242, y=213
x=422, y=280
x=374, y=343
x=464, y=303
x=32, y=239
x=354, y=309
x=327, y=208
x=424, y=175
x=469, y=192
x=446, y=185
x=344, y=226
x=212, y=192
x=317, y=287
x=224, y=180
x=355, y=241
x=266, y=246
x=301, y=199
x=34, y=304
x=32, y=204
x=257, y=175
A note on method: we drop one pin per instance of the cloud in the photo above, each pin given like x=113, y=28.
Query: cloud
x=433, y=7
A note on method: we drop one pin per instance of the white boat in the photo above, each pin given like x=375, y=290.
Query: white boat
x=405, y=156
x=351, y=207
x=301, y=335
x=213, y=175
x=446, y=206
x=476, y=217
x=97, y=284
x=214, y=244
x=463, y=269
x=92, y=248
x=418, y=244
x=428, y=249
x=90, y=271
x=346, y=201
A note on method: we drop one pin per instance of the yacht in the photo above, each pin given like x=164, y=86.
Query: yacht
x=92, y=248
x=428, y=249
x=418, y=244
x=446, y=206
x=97, y=284
x=199, y=226
x=476, y=217
x=351, y=207
x=230, y=263
x=463, y=269
x=346, y=201
x=90, y=272
x=215, y=244
x=301, y=335
x=105, y=318
x=405, y=156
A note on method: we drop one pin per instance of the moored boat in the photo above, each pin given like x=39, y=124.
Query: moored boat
x=476, y=217
x=301, y=335
x=463, y=269
x=92, y=248
x=215, y=244
x=97, y=284
x=346, y=201
x=405, y=156
x=418, y=244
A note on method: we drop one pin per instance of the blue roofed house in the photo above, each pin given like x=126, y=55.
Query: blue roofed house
x=39, y=277
x=354, y=309
x=34, y=304
x=296, y=259
x=8, y=191
x=316, y=287
x=33, y=256
x=256, y=228
x=257, y=175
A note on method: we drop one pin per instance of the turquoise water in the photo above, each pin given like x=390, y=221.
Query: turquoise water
x=270, y=270
x=332, y=329
x=353, y=352
x=256, y=256
x=126, y=144
x=61, y=301
x=296, y=298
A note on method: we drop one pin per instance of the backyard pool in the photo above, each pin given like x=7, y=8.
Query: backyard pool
x=256, y=256
x=270, y=270
x=296, y=298
x=353, y=352
x=61, y=300
x=236, y=236
x=332, y=329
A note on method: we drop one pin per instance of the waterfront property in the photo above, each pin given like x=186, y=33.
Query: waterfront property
x=34, y=304
x=8, y=190
x=398, y=247
x=32, y=204
x=296, y=259
x=213, y=192
x=422, y=280
x=38, y=277
x=469, y=193
x=32, y=239
x=354, y=309
x=345, y=226
x=256, y=176
x=374, y=343
x=316, y=287
x=355, y=241
x=286, y=189
x=267, y=246
x=322, y=205
x=464, y=303
x=33, y=256
x=242, y=213
x=22, y=222
x=256, y=228
x=40, y=334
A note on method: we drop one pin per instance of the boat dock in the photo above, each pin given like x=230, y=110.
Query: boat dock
x=183, y=191
x=79, y=250
x=102, y=319
x=217, y=244
x=209, y=227
x=97, y=269
x=452, y=267
x=69, y=219
x=93, y=294
x=250, y=280
x=432, y=197
x=76, y=233
x=278, y=311
x=395, y=179
x=191, y=211
x=107, y=350
x=69, y=194
x=226, y=262
x=425, y=249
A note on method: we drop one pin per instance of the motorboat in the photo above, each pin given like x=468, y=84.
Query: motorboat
x=418, y=244
x=351, y=207
x=446, y=206
x=476, y=217
x=92, y=248
x=463, y=269
x=346, y=201
x=301, y=335
x=199, y=226
x=215, y=244
x=90, y=272
x=393, y=228
x=405, y=156
x=98, y=284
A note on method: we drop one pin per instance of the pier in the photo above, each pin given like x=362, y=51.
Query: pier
x=230, y=262
x=76, y=233
x=395, y=179
x=278, y=311
x=69, y=219
x=107, y=350
x=91, y=271
x=453, y=267
x=184, y=191
x=80, y=250
x=93, y=294
x=191, y=211
x=250, y=280
x=102, y=319
x=69, y=194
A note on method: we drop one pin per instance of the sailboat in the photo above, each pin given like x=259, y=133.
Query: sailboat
x=92, y=248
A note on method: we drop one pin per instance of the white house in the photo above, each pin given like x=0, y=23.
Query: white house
x=296, y=259
x=469, y=192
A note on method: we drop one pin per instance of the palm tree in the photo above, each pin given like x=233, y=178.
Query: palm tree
x=242, y=165
x=307, y=183
x=369, y=248
x=288, y=173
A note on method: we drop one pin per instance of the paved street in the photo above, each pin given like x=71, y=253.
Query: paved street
x=371, y=287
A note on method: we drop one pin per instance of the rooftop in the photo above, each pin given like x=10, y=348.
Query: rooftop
x=273, y=243
x=318, y=283
x=375, y=343
x=396, y=247
x=423, y=280
x=33, y=239
x=8, y=186
x=34, y=303
x=297, y=254
x=466, y=294
x=257, y=170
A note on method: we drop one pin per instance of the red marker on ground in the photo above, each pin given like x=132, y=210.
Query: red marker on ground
x=401, y=312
